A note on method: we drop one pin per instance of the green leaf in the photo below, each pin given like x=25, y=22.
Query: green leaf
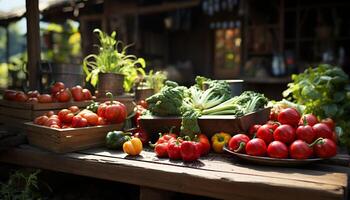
x=339, y=96
x=310, y=92
x=330, y=109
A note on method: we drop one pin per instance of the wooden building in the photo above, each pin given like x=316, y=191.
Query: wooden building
x=262, y=42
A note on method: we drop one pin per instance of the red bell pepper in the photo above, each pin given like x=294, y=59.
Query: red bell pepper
x=190, y=151
x=161, y=146
x=204, y=142
x=112, y=111
x=174, y=148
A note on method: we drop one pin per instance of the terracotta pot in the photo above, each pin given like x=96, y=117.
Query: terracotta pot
x=142, y=94
x=110, y=82
x=70, y=74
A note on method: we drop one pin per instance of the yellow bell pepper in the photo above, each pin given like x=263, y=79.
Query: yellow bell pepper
x=219, y=140
x=133, y=147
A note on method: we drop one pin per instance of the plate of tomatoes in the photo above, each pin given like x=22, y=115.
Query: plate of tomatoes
x=287, y=140
x=264, y=160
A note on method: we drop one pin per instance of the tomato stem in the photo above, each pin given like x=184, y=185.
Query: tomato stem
x=318, y=140
x=241, y=146
x=110, y=95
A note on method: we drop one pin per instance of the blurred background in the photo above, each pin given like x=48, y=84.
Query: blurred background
x=261, y=42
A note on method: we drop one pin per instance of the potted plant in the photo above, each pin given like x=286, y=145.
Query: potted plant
x=150, y=84
x=111, y=69
x=63, y=51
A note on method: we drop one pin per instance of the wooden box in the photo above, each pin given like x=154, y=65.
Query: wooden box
x=209, y=124
x=30, y=111
x=13, y=114
x=70, y=139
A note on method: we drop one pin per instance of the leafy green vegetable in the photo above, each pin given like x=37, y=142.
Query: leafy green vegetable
x=247, y=102
x=324, y=91
x=191, y=103
x=168, y=101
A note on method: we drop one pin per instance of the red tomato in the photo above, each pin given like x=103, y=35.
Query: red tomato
x=273, y=116
x=238, y=142
x=10, y=95
x=101, y=121
x=115, y=112
x=77, y=93
x=256, y=147
x=21, y=97
x=79, y=121
x=41, y=120
x=65, y=116
x=50, y=113
x=52, y=116
x=66, y=126
x=329, y=122
x=45, y=98
x=284, y=133
x=299, y=149
x=305, y=133
x=289, y=116
x=310, y=120
x=86, y=94
x=57, y=87
x=63, y=95
x=92, y=118
x=265, y=132
x=323, y=131
x=325, y=148
x=32, y=94
x=53, y=121
x=33, y=100
x=143, y=103
x=277, y=149
x=273, y=125
x=55, y=126
x=74, y=109
x=253, y=129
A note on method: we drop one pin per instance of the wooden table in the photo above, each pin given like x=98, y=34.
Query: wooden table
x=215, y=176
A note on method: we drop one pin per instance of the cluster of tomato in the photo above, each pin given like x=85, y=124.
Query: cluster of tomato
x=176, y=148
x=288, y=134
x=58, y=91
x=109, y=112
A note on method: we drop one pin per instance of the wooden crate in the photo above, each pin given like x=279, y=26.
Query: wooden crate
x=70, y=139
x=25, y=110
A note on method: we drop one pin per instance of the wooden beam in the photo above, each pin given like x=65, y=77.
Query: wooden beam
x=7, y=44
x=33, y=42
x=117, y=9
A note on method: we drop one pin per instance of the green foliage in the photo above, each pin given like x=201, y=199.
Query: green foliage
x=21, y=186
x=168, y=101
x=66, y=42
x=153, y=80
x=325, y=92
x=110, y=60
x=191, y=103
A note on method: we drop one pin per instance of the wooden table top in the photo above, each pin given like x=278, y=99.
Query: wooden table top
x=218, y=176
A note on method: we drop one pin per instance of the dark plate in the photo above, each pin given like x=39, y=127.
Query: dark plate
x=273, y=161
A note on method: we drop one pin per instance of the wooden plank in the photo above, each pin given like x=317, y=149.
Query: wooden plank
x=70, y=139
x=174, y=178
x=33, y=42
x=223, y=163
x=116, y=9
x=43, y=106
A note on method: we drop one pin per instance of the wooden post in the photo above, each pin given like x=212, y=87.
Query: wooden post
x=7, y=43
x=33, y=42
